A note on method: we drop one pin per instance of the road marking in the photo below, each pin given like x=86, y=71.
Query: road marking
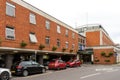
x=113, y=70
x=104, y=69
x=90, y=75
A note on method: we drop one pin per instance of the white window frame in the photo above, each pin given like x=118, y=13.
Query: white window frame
x=58, y=42
x=47, y=38
x=7, y=12
x=66, y=45
x=32, y=18
x=73, y=35
x=73, y=46
x=10, y=33
x=66, y=32
x=33, y=38
x=47, y=24
x=58, y=29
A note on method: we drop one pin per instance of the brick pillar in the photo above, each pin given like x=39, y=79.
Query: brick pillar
x=40, y=59
x=9, y=61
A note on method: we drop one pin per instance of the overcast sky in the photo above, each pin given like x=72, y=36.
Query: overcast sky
x=81, y=12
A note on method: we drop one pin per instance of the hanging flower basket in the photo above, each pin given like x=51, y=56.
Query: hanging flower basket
x=23, y=44
x=63, y=49
x=41, y=46
x=54, y=48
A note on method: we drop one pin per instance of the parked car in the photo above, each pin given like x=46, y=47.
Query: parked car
x=57, y=64
x=73, y=63
x=5, y=74
x=27, y=67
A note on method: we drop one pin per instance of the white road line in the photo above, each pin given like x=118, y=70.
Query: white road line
x=90, y=75
x=113, y=70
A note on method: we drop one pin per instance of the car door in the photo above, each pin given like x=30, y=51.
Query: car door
x=61, y=64
x=35, y=66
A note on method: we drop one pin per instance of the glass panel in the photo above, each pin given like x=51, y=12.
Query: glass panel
x=10, y=33
x=32, y=18
x=33, y=38
x=47, y=25
x=10, y=9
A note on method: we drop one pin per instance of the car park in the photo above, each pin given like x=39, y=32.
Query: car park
x=5, y=74
x=57, y=64
x=25, y=68
x=73, y=63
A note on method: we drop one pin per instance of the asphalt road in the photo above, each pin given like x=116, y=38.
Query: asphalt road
x=86, y=72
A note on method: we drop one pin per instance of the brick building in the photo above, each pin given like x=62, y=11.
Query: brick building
x=100, y=49
x=29, y=33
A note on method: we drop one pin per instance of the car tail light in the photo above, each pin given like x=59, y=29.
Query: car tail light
x=19, y=67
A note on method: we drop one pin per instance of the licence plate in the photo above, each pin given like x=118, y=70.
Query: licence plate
x=12, y=71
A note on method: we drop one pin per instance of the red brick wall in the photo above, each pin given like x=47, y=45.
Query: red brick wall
x=98, y=56
x=106, y=40
x=22, y=29
x=93, y=38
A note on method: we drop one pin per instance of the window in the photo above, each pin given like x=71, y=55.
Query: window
x=58, y=29
x=33, y=38
x=66, y=45
x=32, y=18
x=66, y=32
x=47, y=40
x=73, y=35
x=10, y=9
x=10, y=33
x=73, y=46
x=47, y=25
x=58, y=42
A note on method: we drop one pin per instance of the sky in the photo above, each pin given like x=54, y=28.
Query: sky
x=81, y=12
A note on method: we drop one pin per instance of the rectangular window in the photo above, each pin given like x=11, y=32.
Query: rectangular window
x=58, y=42
x=47, y=40
x=10, y=9
x=73, y=35
x=47, y=24
x=10, y=33
x=73, y=46
x=66, y=32
x=66, y=45
x=58, y=29
x=33, y=38
x=32, y=18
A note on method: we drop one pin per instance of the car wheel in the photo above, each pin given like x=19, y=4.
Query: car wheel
x=58, y=68
x=5, y=76
x=43, y=70
x=25, y=73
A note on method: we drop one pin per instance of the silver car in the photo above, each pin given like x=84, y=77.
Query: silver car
x=5, y=74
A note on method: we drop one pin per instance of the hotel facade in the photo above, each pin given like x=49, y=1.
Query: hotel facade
x=27, y=33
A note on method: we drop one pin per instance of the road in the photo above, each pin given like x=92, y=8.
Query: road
x=86, y=72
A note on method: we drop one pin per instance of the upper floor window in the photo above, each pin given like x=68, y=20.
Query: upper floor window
x=58, y=29
x=58, y=42
x=47, y=40
x=10, y=33
x=66, y=32
x=47, y=24
x=66, y=44
x=73, y=46
x=32, y=18
x=73, y=35
x=10, y=9
x=33, y=38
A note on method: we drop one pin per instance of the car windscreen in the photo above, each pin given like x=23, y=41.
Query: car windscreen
x=25, y=63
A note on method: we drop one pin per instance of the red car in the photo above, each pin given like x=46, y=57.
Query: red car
x=73, y=63
x=57, y=64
